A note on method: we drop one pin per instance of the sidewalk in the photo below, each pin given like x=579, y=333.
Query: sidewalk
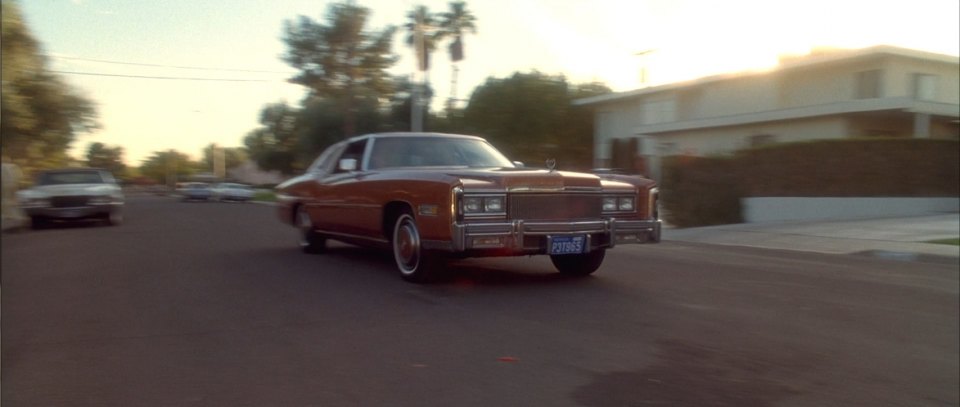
x=902, y=238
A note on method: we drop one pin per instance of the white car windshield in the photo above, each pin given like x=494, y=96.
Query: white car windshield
x=434, y=152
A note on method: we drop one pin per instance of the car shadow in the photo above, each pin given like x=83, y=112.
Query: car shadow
x=499, y=271
x=67, y=224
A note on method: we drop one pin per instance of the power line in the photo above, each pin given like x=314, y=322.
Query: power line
x=161, y=77
x=166, y=66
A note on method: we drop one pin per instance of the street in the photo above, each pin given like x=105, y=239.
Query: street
x=213, y=304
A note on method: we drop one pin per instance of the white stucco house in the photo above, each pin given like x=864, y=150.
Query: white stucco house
x=248, y=172
x=880, y=91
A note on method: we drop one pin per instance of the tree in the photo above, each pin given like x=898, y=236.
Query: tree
x=274, y=146
x=233, y=156
x=168, y=167
x=41, y=115
x=421, y=35
x=455, y=23
x=108, y=158
x=339, y=61
x=398, y=118
x=532, y=118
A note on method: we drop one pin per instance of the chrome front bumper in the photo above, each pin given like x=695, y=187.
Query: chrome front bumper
x=532, y=237
x=79, y=212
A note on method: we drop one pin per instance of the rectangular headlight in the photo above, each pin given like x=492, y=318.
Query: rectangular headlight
x=484, y=204
x=493, y=204
x=472, y=205
x=609, y=203
x=619, y=203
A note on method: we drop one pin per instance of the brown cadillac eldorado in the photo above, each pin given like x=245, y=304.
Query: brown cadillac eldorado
x=430, y=196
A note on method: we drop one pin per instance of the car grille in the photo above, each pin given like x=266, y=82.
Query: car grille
x=68, y=201
x=555, y=206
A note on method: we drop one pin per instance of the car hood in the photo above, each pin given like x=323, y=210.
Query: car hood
x=519, y=180
x=70, y=190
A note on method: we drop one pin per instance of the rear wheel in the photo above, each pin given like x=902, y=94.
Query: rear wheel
x=579, y=264
x=310, y=241
x=415, y=264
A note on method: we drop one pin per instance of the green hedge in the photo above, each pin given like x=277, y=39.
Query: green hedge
x=699, y=191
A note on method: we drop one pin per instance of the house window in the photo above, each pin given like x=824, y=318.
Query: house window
x=762, y=140
x=868, y=84
x=924, y=86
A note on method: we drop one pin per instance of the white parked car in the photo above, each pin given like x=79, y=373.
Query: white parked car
x=230, y=191
x=71, y=194
x=199, y=191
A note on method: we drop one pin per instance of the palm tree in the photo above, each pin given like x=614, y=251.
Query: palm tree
x=422, y=36
x=455, y=23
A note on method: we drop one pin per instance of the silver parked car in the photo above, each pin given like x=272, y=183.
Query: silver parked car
x=196, y=191
x=71, y=194
x=231, y=191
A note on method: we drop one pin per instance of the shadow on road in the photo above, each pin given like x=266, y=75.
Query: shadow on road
x=506, y=271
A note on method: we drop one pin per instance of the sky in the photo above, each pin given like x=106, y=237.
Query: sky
x=230, y=51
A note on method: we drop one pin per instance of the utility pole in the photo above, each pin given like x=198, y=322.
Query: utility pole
x=452, y=102
x=416, y=104
x=171, y=170
x=219, y=164
x=644, y=74
x=416, y=115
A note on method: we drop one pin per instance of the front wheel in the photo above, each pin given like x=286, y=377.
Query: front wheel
x=38, y=222
x=310, y=241
x=113, y=218
x=409, y=254
x=579, y=264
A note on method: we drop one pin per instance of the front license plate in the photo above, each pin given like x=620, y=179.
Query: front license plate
x=567, y=244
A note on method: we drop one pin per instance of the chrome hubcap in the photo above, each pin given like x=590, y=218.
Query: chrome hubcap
x=305, y=226
x=406, y=245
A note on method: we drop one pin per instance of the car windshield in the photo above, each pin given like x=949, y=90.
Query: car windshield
x=70, y=177
x=434, y=152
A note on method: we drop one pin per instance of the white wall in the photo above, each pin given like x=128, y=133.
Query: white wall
x=731, y=97
x=615, y=121
x=770, y=209
x=900, y=79
x=725, y=140
x=815, y=88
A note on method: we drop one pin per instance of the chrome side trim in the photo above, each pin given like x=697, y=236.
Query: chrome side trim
x=352, y=236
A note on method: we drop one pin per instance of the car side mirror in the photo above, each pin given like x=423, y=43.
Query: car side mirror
x=347, y=164
x=519, y=164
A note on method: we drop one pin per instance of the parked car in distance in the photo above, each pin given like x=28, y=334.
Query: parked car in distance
x=231, y=191
x=199, y=191
x=430, y=196
x=73, y=194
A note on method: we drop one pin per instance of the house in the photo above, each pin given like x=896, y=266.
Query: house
x=249, y=173
x=880, y=91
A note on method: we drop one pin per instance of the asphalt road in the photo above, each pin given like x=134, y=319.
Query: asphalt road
x=210, y=304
